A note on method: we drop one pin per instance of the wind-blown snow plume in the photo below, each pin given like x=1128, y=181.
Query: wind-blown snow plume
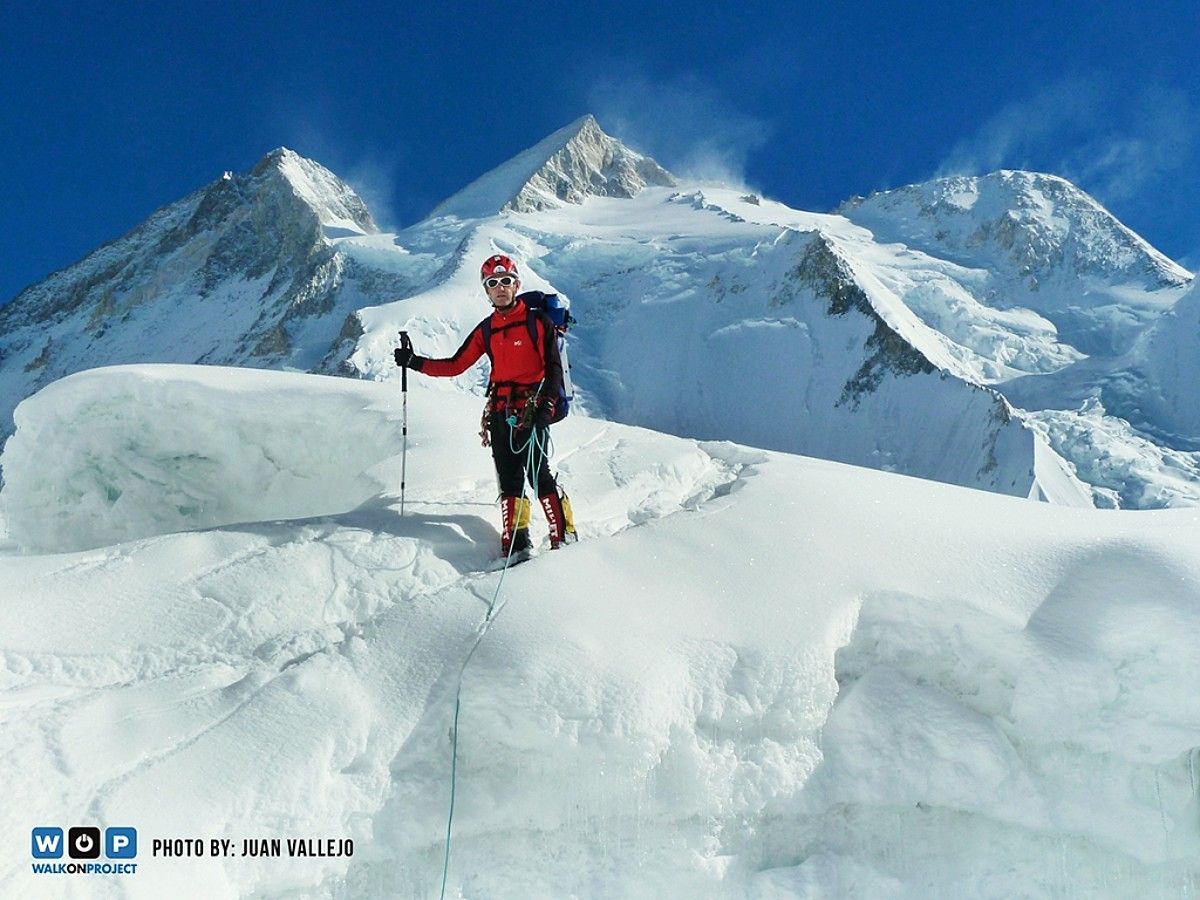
x=1114, y=145
x=683, y=121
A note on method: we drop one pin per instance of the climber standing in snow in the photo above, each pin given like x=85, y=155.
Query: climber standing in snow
x=526, y=380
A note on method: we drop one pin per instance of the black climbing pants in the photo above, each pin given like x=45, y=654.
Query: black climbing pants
x=511, y=453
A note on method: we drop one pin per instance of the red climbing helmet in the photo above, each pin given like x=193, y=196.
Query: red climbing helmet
x=498, y=265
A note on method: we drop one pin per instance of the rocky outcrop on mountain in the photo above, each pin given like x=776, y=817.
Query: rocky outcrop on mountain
x=825, y=273
x=574, y=163
x=989, y=448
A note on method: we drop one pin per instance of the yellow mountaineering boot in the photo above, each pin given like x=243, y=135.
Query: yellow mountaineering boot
x=514, y=534
x=569, y=534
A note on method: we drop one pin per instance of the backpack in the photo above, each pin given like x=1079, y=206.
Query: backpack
x=559, y=315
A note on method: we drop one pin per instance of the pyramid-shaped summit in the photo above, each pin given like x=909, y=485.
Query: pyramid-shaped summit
x=334, y=203
x=574, y=163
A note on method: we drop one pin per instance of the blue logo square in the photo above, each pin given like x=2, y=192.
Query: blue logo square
x=120, y=843
x=47, y=843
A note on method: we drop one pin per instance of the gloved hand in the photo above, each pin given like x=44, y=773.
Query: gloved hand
x=406, y=357
x=545, y=412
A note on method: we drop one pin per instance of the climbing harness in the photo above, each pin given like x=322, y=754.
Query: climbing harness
x=509, y=398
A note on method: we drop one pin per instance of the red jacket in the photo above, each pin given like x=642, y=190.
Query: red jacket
x=519, y=360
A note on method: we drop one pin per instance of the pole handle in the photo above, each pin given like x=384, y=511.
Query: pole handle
x=405, y=344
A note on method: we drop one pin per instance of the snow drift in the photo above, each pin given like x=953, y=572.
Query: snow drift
x=757, y=675
x=114, y=454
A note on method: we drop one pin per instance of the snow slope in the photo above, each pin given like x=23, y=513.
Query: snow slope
x=1166, y=366
x=757, y=675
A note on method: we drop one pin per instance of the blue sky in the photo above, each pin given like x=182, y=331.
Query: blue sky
x=110, y=110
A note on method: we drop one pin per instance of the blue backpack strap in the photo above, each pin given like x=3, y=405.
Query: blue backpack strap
x=531, y=318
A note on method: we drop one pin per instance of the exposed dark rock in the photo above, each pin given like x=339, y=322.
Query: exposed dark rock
x=823, y=271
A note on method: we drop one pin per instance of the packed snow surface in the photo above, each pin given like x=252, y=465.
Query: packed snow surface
x=758, y=674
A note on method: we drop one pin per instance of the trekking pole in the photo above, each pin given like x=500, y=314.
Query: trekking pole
x=406, y=344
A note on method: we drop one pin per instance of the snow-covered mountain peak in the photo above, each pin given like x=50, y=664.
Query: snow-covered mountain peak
x=335, y=203
x=237, y=271
x=573, y=163
x=1035, y=241
x=241, y=225
x=1026, y=222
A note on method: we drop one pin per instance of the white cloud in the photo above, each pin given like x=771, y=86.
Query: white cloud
x=1157, y=139
x=1016, y=135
